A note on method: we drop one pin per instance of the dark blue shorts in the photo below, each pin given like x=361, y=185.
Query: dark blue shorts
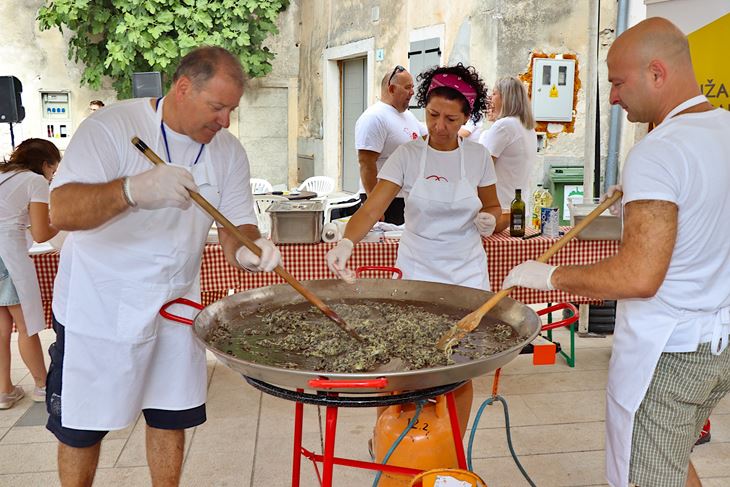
x=156, y=418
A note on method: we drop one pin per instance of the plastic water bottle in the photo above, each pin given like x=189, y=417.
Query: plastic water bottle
x=537, y=198
x=547, y=199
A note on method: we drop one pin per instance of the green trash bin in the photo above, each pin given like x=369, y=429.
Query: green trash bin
x=565, y=182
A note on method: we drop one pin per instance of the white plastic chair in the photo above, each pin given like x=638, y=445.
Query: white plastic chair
x=336, y=202
x=322, y=185
x=260, y=203
x=259, y=186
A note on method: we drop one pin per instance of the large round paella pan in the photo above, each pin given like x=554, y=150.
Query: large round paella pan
x=280, y=366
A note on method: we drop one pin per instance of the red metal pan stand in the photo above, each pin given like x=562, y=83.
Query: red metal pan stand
x=333, y=400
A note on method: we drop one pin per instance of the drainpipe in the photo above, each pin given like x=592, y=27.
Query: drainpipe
x=614, y=131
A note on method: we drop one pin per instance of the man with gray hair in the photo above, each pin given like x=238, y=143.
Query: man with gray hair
x=381, y=129
x=136, y=243
x=670, y=364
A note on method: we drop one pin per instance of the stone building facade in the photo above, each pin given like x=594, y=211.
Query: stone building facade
x=292, y=122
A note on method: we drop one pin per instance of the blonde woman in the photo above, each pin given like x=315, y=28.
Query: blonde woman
x=512, y=142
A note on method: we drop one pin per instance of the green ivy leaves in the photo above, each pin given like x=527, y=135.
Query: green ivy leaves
x=118, y=37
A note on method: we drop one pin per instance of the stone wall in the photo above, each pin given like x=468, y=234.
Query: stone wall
x=291, y=115
x=502, y=36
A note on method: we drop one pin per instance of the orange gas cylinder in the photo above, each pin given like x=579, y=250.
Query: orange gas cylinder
x=428, y=445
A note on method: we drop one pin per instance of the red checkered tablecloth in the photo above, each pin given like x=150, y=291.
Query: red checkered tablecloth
x=505, y=252
x=306, y=261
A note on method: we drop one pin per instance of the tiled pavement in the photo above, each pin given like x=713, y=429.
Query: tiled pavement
x=557, y=417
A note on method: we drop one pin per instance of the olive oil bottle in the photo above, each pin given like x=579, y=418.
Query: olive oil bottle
x=517, y=216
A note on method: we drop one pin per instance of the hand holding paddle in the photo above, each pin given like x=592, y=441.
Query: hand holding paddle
x=218, y=217
x=472, y=320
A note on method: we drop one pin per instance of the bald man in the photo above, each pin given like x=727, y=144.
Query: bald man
x=669, y=365
x=381, y=129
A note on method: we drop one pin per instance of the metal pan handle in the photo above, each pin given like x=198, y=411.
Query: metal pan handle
x=556, y=307
x=385, y=268
x=379, y=383
x=179, y=319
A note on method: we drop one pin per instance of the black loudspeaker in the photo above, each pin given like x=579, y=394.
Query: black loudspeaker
x=147, y=84
x=11, y=106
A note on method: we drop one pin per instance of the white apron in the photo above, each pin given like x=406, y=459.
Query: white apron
x=440, y=242
x=14, y=245
x=121, y=356
x=643, y=328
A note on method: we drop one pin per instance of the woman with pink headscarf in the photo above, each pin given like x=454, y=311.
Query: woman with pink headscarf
x=449, y=186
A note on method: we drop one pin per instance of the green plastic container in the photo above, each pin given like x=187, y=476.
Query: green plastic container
x=565, y=182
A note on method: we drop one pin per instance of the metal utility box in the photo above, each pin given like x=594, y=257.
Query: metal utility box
x=296, y=221
x=565, y=182
x=56, y=117
x=552, y=89
x=605, y=227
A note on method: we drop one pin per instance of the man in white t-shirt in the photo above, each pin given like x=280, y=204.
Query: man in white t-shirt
x=381, y=129
x=670, y=364
x=136, y=243
x=471, y=130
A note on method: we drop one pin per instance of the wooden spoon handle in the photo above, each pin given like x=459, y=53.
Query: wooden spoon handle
x=472, y=320
x=218, y=217
x=595, y=213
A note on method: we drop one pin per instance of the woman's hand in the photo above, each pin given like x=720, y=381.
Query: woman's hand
x=337, y=260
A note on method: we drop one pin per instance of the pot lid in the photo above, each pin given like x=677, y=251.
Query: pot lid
x=296, y=206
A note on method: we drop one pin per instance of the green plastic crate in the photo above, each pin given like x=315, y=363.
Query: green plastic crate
x=564, y=178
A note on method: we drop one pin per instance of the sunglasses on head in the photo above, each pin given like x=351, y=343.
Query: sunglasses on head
x=396, y=70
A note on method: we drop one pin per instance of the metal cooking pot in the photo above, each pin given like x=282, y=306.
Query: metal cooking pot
x=521, y=317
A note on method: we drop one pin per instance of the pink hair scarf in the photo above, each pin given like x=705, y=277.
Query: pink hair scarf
x=454, y=81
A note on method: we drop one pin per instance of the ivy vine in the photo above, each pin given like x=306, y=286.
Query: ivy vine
x=118, y=37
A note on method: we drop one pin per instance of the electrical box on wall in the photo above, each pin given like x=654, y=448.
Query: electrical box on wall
x=56, y=117
x=552, y=89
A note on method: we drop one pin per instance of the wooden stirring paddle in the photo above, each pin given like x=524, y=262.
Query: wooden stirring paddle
x=218, y=216
x=472, y=320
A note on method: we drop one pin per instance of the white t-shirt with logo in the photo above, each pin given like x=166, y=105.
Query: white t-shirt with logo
x=515, y=148
x=403, y=166
x=17, y=192
x=381, y=128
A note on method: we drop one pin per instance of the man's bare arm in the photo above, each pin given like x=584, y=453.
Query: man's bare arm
x=368, y=169
x=639, y=267
x=80, y=206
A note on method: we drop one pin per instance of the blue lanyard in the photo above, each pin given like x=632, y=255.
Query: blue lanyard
x=164, y=138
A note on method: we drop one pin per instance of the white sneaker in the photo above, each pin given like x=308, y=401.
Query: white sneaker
x=39, y=394
x=8, y=399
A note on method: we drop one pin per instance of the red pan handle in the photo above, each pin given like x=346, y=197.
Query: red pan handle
x=385, y=268
x=179, y=319
x=379, y=383
x=556, y=307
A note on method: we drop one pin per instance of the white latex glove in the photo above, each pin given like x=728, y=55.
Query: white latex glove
x=485, y=223
x=532, y=274
x=270, y=256
x=337, y=260
x=615, y=208
x=162, y=186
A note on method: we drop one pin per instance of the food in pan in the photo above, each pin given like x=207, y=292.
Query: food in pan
x=301, y=337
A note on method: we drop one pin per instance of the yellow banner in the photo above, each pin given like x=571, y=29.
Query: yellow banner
x=710, y=49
